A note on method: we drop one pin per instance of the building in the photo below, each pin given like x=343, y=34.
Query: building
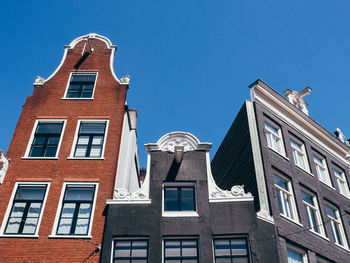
x=73, y=132
x=180, y=215
x=3, y=166
x=296, y=170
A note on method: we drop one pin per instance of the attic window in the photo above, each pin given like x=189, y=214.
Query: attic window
x=81, y=86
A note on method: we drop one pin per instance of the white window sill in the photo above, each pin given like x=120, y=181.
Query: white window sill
x=85, y=158
x=292, y=220
x=304, y=170
x=280, y=154
x=39, y=158
x=345, y=248
x=180, y=214
x=346, y=196
x=70, y=236
x=327, y=185
x=19, y=236
x=77, y=98
x=318, y=234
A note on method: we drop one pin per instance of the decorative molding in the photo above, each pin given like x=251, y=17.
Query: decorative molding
x=296, y=98
x=265, y=215
x=39, y=81
x=184, y=139
x=339, y=135
x=123, y=194
x=4, y=163
x=125, y=80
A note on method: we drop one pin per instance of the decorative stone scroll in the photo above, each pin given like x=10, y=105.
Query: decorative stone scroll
x=39, y=80
x=125, y=80
x=123, y=194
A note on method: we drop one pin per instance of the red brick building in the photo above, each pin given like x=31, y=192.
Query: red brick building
x=64, y=155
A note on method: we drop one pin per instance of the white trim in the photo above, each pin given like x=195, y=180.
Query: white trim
x=180, y=213
x=5, y=163
x=71, y=156
x=270, y=133
x=80, y=73
x=30, y=142
x=323, y=166
x=59, y=209
x=299, y=153
x=82, y=38
x=10, y=204
x=283, y=112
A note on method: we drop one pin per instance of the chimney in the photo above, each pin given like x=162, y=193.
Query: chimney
x=142, y=175
x=133, y=118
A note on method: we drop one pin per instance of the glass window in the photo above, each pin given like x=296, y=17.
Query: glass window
x=26, y=209
x=231, y=250
x=285, y=197
x=46, y=139
x=336, y=225
x=90, y=139
x=312, y=211
x=321, y=169
x=299, y=154
x=181, y=251
x=130, y=251
x=274, y=137
x=81, y=85
x=179, y=198
x=322, y=260
x=76, y=210
x=296, y=255
x=342, y=184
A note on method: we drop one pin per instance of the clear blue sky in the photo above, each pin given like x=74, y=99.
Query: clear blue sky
x=190, y=61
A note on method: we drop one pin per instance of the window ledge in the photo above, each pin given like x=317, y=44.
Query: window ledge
x=304, y=170
x=320, y=235
x=280, y=154
x=345, y=248
x=77, y=98
x=346, y=196
x=327, y=185
x=39, y=158
x=70, y=236
x=180, y=214
x=292, y=220
x=18, y=236
x=85, y=158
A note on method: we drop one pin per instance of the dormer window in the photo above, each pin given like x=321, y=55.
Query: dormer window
x=81, y=85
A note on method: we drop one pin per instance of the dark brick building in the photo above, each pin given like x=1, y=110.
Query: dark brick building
x=64, y=154
x=180, y=214
x=297, y=172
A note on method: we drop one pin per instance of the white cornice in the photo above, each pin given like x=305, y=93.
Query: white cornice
x=82, y=38
x=298, y=121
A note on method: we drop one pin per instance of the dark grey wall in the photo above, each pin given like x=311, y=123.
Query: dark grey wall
x=288, y=230
x=230, y=218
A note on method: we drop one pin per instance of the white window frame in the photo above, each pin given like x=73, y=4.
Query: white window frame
x=270, y=135
x=31, y=139
x=337, y=223
x=340, y=178
x=9, y=208
x=321, y=168
x=59, y=209
x=315, y=207
x=299, y=251
x=299, y=153
x=130, y=239
x=80, y=73
x=287, y=196
x=77, y=134
x=179, y=213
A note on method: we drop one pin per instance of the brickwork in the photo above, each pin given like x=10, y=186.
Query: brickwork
x=46, y=102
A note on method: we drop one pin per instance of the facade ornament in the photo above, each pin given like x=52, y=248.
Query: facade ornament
x=236, y=192
x=122, y=195
x=265, y=215
x=339, y=135
x=4, y=163
x=125, y=80
x=39, y=80
x=296, y=98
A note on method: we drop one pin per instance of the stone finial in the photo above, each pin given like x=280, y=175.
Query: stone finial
x=39, y=80
x=296, y=98
x=125, y=80
x=339, y=135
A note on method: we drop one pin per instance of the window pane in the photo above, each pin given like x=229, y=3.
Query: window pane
x=139, y=249
x=172, y=248
x=13, y=225
x=280, y=182
x=122, y=248
x=92, y=128
x=83, y=77
x=83, y=140
x=307, y=198
x=34, y=210
x=65, y=225
x=50, y=152
x=49, y=128
x=95, y=151
x=189, y=248
x=18, y=209
x=80, y=151
x=30, y=193
x=39, y=140
x=36, y=152
x=170, y=193
x=30, y=226
x=97, y=140
x=84, y=210
x=222, y=247
x=238, y=247
x=81, y=227
x=79, y=193
x=68, y=210
x=330, y=212
x=294, y=256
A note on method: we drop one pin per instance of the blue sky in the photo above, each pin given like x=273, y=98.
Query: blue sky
x=190, y=61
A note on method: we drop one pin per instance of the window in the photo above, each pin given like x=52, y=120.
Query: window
x=231, y=250
x=342, y=184
x=77, y=206
x=299, y=154
x=312, y=211
x=130, y=251
x=24, y=214
x=90, y=139
x=179, y=199
x=181, y=251
x=322, y=260
x=285, y=197
x=274, y=137
x=46, y=138
x=336, y=225
x=321, y=169
x=296, y=255
x=81, y=85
